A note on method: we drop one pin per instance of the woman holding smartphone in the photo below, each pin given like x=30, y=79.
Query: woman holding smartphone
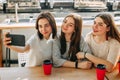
x=39, y=45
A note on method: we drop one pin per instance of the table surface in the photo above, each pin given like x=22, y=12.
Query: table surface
x=36, y=73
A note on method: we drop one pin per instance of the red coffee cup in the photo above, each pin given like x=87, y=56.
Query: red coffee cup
x=47, y=67
x=100, y=71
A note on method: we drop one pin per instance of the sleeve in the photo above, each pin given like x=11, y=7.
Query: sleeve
x=31, y=41
x=84, y=46
x=114, y=52
x=57, y=59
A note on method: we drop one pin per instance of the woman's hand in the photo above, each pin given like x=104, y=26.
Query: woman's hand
x=6, y=40
x=84, y=64
x=80, y=55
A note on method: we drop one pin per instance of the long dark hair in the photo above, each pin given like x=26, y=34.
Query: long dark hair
x=75, y=38
x=51, y=21
x=108, y=20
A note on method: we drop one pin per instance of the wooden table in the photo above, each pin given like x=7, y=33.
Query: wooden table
x=36, y=73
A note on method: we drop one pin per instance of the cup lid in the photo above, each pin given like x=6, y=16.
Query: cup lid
x=101, y=66
x=47, y=62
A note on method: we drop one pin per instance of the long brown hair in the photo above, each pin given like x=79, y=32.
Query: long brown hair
x=75, y=38
x=108, y=20
x=51, y=21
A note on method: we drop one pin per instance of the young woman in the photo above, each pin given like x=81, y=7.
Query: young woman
x=104, y=42
x=39, y=46
x=71, y=42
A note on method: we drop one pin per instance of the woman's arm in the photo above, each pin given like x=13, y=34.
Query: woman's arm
x=59, y=61
x=20, y=49
x=97, y=60
x=81, y=64
x=6, y=42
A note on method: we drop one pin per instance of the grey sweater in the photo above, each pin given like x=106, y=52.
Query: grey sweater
x=59, y=59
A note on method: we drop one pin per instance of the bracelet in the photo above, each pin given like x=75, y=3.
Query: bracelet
x=76, y=64
x=85, y=55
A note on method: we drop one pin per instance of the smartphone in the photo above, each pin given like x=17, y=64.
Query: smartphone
x=17, y=39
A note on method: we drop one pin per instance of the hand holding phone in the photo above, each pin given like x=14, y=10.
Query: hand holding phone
x=16, y=39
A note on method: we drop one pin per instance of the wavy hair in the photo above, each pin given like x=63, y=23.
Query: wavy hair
x=108, y=20
x=75, y=38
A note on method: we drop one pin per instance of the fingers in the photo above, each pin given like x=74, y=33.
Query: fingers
x=77, y=55
x=80, y=55
x=5, y=34
x=85, y=64
x=6, y=40
x=89, y=64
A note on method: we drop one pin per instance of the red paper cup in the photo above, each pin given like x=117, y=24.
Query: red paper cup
x=47, y=66
x=100, y=71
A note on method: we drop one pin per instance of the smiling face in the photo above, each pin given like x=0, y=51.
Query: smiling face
x=44, y=28
x=68, y=25
x=99, y=27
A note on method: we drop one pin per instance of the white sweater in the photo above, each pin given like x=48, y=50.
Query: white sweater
x=108, y=50
x=39, y=50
